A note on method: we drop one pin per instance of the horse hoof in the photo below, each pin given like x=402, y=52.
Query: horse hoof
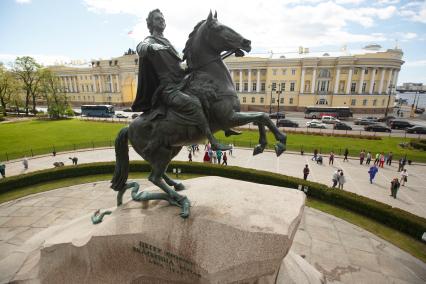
x=185, y=208
x=179, y=187
x=258, y=149
x=279, y=149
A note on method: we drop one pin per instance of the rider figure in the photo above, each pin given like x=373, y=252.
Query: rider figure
x=160, y=80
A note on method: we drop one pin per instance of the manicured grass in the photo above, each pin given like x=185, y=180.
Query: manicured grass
x=414, y=247
x=46, y=186
x=403, y=241
x=39, y=137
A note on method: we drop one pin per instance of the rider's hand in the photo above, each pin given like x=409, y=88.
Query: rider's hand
x=156, y=47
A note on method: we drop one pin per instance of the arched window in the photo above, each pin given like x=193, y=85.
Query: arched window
x=324, y=73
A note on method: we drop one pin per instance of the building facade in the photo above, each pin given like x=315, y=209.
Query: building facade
x=365, y=82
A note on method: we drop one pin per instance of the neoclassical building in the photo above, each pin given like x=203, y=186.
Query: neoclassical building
x=365, y=82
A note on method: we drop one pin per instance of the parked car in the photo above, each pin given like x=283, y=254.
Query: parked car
x=127, y=110
x=364, y=121
x=341, y=126
x=279, y=114
x=134, y=115
x=386, y=118
x=287, y=123
x=399, y=124
x=329, y=119
x=377, y=128
x=315, y=124
x=417, y=129
x=119, y=115
x=419, y=110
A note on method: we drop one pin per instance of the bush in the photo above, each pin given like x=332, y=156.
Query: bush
x=2, y=118
x=395, y=218
x=419, y=144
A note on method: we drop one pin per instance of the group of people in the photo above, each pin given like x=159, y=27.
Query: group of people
x=211, y=156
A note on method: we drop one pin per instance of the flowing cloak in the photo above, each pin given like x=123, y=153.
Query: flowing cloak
x=157, y=71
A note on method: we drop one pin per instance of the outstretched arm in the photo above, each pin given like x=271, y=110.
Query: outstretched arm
x=147, y=46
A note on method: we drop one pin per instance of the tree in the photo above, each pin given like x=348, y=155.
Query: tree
x=27, y=70
x=53, y=93
x=9, y=88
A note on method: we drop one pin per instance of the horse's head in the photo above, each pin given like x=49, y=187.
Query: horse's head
x=212, y=35
x=223, y=38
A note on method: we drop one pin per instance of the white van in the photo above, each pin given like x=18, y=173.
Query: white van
x=329, y=119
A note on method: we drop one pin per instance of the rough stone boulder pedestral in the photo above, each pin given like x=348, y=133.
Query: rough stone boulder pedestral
x=237, y=232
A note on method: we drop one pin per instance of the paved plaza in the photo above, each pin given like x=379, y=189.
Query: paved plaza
x=411, y=197
x=341, y=251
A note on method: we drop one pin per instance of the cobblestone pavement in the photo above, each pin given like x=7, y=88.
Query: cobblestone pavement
x=411, y=197
x=343, y=252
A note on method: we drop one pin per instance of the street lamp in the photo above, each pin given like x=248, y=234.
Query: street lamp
x=279, y=92
x=389, y=95
x=270, y=100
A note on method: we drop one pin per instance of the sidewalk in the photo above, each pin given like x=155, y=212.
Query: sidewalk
x=411, y=197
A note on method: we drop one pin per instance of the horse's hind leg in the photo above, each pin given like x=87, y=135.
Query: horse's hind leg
x=177, y=185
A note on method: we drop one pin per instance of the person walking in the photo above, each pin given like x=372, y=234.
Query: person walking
x=206, y=158
x=225, y=159
x=404, y=177
x=335, y=178
x=376, y=161
x=314, y=158
x=346, y=155
x=3, y=170
x=401, y=164
x=219, y=155
x=367, y=162
x=341, y=180
x=373, y=171
x=214, y=157
x=231, y=150
x=305, y=172
x=25, y=163
x=331, y=159
x=394, y=187
x=389, y=160
x=381, y=160
x=190, y=156
x=361, y=157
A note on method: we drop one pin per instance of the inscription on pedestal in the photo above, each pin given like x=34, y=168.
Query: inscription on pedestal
x=166, y=259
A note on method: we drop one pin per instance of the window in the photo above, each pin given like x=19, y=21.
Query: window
x=353, y=102
x=244, y=99
x=374, y=87
x=356, y=71
x=263, y=72
x=274, y=72
x=322, y=102
x=366, y=71
x=364, y=86
x=374, y=102
x=274, y=86
x=82, y=88
x=273, y=101
x=293, y=71
x=291, y=101
x=283, y=87
x=262, y=87
x=254, y=87
x=353, y=87
x=245, y=87
x=364, y=102
x=246, y=72
x=254, y=72
x=91, y=87
x=284, y=71
x=292, y=87
x=237, y=86
x=377, y=71
x=341, y=86
x=253, y=100
x=281, y=100
x=262, y=100
x=383, y=102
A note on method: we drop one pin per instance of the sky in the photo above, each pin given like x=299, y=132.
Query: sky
x=54, y=31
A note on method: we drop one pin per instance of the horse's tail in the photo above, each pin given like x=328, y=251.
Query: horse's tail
x=121, y=171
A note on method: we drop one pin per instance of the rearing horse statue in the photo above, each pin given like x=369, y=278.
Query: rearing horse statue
x=158, y=141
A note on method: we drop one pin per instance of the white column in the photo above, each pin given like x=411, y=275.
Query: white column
x=336, y=82
x=94, y=83
x=314, y=75
x=232, y=74
x=389, y=82
x=395, y=78
x=71, y=83
x=118, y=82
x=361, y=81
x=249, y=81
x=381, y=81
x=258, y=81
x=373, y=74
x=302, y=82
x=348, y=83
x=241, y=80
x=110, y=84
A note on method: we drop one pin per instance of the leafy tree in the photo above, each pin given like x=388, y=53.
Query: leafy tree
x=53, y=94
x=9, y=87
x=27, y=70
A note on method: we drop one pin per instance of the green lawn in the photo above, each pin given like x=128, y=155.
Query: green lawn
x=39, y=137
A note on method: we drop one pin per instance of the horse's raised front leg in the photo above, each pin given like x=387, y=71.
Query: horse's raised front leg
x=261, y=118
x=262, y=140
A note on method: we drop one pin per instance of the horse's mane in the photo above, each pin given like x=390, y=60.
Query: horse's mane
x=187, y=51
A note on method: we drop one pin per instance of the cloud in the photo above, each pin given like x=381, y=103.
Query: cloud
x=23, y=1
x=414, y=11
x=416, y=63
x=275, y=24
x=43, y=59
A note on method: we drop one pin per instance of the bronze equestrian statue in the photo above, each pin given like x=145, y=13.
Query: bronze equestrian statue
x=183, y=107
